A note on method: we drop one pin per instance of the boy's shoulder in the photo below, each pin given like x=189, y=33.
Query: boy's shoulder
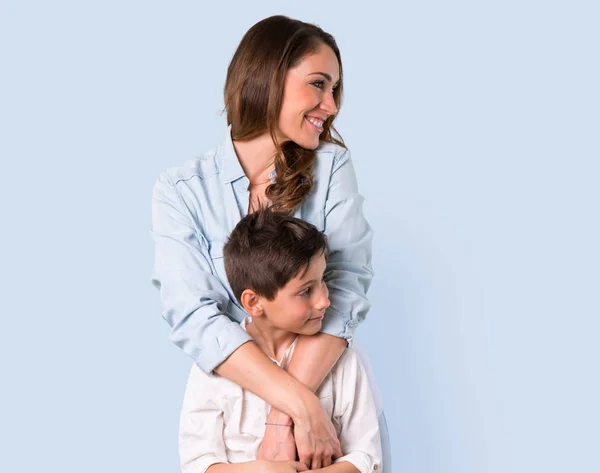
x=349, y=361
x=210, y=385
x=348, y=367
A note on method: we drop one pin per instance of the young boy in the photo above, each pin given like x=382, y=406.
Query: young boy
x=275, y=264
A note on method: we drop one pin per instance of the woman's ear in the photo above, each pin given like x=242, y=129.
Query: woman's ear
x=252, y=303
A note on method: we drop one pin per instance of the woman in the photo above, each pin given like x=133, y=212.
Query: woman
x=282, y=93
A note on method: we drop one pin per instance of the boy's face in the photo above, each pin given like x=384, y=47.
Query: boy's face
x=299, y=306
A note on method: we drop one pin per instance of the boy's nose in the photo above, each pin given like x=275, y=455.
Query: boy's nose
x=324, y=300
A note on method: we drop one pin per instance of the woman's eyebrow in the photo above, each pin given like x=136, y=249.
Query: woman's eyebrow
x=324, y=74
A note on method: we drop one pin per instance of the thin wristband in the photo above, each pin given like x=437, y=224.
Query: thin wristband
x=282, y=425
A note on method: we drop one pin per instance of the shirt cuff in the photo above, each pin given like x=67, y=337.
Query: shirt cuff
x=362, y=461
x=338, y=326
x=217, y=348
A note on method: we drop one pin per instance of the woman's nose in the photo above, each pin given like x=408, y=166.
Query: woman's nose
x=328, y=104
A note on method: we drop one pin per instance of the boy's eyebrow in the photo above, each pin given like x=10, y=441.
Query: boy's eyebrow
x=324, y=74
x=307, y=283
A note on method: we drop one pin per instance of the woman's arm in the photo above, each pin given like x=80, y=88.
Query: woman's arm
x=250, y=368
x=201, y=435
x=357, y=417
x=349, y=236
x=292, y=403
x=313, y=359
x=194, y=299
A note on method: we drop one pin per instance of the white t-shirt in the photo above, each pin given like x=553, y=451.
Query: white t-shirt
x=223, y=423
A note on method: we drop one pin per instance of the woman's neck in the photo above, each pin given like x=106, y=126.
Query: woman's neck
x=256, y=157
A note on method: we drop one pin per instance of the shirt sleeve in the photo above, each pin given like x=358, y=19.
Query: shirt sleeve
x=194, y=300
x=201, y=441
x=349, y=271
x=355, y=415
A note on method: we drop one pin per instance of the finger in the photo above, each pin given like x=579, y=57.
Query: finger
x=326, y=461
x=305, y=458
x=316, y=462
x=298, y=466
x=337, y=451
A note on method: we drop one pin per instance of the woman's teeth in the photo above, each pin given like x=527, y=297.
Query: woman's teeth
x=316, y=122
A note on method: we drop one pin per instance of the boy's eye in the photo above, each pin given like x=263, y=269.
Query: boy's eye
x=306, y=292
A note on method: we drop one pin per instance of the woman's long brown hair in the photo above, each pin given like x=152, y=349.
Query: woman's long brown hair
x=254, y=93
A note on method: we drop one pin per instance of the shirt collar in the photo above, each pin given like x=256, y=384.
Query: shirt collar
x=232, y=169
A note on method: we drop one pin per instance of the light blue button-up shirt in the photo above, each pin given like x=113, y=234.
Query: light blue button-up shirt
x=194, y=209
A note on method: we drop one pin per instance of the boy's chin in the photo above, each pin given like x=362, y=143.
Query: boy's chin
x=311, y=330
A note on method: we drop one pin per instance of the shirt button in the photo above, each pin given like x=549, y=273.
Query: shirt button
x=376, y=467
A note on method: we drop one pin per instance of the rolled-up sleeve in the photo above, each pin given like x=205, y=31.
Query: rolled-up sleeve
x=349, y=271
x=194, y=300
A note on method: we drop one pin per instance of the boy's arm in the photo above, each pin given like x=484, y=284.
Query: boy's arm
x=259, y=466
x=201, y=442
x=246, y=467
x=341, y=467
x=356, y=416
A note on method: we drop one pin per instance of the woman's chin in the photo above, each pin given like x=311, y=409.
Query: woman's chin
x=308, y=143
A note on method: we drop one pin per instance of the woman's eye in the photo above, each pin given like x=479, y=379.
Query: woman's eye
x=318, y=84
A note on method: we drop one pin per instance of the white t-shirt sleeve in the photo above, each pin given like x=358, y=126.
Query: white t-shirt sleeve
x=201, y=442
x=355, y=414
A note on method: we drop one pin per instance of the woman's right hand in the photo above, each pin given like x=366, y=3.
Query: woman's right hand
x=264, y=466
x=316, y=438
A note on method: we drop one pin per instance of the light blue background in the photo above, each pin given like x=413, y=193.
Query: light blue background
x=474, y=128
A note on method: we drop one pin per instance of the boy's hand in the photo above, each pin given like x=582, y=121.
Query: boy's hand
x=264, y=466
x=278, y=443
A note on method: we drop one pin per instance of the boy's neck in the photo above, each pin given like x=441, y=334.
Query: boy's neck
x=271, y=340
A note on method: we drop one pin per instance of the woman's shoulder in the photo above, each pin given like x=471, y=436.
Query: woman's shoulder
x=204, y=166
x=328, y=150
x=330, y=156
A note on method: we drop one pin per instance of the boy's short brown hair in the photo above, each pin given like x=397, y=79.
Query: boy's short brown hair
x=267, y=249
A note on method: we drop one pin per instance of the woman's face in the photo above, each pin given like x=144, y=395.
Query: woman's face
x=308, y=98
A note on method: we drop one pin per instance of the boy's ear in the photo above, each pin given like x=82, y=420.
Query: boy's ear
x=251, y=302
